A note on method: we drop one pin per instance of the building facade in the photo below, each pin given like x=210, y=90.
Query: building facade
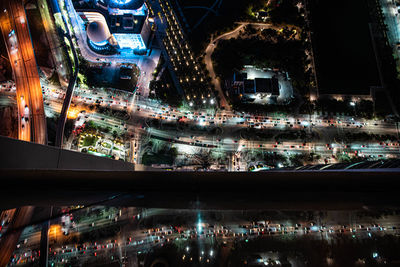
x=115, y=25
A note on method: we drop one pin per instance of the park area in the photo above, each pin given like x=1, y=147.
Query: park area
x=101, y=144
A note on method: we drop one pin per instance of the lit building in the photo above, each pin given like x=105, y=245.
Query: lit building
x=113, y=25
x=260, y=86
x=265, y=87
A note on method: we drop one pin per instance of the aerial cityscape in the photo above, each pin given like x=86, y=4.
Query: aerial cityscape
x=199, y=133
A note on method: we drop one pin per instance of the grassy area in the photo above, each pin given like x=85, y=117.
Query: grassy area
x=89, y=140
x=106, y=145
x=228, y=13
x=54, y=79
x=52, y=32
x=39, y=41
x=70, y=54
x=149, y=159
x=164, y=156
x=262, y=53
x=59, y=21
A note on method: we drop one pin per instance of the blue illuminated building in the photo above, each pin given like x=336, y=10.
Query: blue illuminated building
x=113, y=25
x=99, y=37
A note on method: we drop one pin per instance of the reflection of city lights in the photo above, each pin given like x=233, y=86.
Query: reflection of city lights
x=72, y=114
x=54, y=229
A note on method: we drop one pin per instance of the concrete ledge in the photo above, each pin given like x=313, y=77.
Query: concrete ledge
x=273, y=190
x=17, y=154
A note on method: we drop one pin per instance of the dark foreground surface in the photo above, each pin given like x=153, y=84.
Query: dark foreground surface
x=355, y=189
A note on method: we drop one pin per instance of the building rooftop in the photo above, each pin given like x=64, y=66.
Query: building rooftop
x=125, y=4
x=124, y=18
x=98, y=32
x=267, y=85
x=249, y=87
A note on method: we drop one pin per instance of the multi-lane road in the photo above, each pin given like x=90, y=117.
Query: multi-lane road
x=16, y=60
x=231, y=127
x=29, y=94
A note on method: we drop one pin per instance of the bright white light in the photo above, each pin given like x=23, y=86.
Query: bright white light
x=202, y=122
x=212, y=101
x=280, y=165
x=191, y=104
x=375, y=255
x=132, y=41
x=211, y=253
x=187, y=248
x=185, y=149
x=121, y=2
x=120, y=11
x=352, y=104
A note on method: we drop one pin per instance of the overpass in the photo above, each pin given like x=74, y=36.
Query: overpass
x=29, y=91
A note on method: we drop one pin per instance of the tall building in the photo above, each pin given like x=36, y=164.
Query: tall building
x=113, y=25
